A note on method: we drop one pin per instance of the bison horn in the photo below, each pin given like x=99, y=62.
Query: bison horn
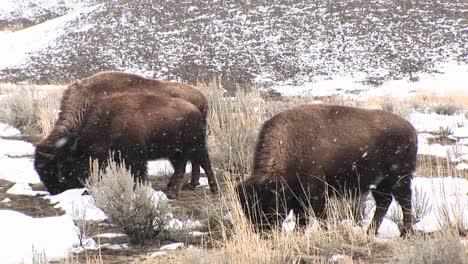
x=46, y=155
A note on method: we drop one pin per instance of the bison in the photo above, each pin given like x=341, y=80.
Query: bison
x=80, y=94
x=137, y=126
x=306, y=150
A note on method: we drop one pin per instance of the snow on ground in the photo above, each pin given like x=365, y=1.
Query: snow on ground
x=13, y=148
x=14, y=9
x=453, y=76
x=18, y=170
x=433, y=123
x=8, y=131
x=23, y=235
x=77, y=205
x=164, y=167
x=24, y=189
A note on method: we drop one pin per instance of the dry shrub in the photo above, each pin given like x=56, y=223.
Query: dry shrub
x=130, y=206
x=441, y=247
x=20, y=110
x=446, y=108
x=29, y=110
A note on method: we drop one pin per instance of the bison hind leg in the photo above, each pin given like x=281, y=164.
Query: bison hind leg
x=400, y=188
x=403, y=195
x=202, y=158
x=195, y=179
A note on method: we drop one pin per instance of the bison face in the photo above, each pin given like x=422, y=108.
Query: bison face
x=59, y=167
x=263, y=203
x=45, y=163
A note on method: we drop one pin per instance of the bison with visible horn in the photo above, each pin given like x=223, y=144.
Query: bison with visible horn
x=137, y=126
x=306, y=150
x=81, y=94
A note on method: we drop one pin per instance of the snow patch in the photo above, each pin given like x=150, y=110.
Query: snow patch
x=53, y=237
x=8, y=131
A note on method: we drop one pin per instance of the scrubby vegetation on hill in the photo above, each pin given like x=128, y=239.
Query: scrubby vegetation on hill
x=255, y=41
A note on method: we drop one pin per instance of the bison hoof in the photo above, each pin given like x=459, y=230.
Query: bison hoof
x=172, y=194
x=190, y=186
x=406, y=233
x=214, y=190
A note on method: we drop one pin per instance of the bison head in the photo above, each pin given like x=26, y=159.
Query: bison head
x=264, y=203
x=59, y=166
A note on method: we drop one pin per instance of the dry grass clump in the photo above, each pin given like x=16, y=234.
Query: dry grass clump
x=397, y=107
x=233, y=125
x=451, y=211
x=29, y=110
x=441, y=247
x=130, y=206
x=432, y=166
x=458, y=98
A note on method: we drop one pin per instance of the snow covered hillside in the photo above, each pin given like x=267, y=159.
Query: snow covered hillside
x=266, y=42
x=14, y=13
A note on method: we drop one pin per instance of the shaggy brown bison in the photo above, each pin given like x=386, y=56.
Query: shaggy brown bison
x=82, y=93
x=138, y=127
x=306, y=150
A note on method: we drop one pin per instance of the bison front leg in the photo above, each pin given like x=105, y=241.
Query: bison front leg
x=175, y=183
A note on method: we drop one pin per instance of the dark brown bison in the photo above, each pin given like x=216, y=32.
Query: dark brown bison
x=306, y=150
x=80, y=94
x=137, y=127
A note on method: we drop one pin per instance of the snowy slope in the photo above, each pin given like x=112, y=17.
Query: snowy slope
x=30, y=12
x=267, y=42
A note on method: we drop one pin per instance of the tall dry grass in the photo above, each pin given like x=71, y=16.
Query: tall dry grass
x=233, y=124
x=432, y=166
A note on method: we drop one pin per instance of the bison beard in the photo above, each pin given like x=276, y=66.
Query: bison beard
x=137, y=127
x=306, y=150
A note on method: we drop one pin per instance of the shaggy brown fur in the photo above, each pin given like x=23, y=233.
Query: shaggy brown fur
x=81, y=94
x=138, y=127
x=306, y=150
